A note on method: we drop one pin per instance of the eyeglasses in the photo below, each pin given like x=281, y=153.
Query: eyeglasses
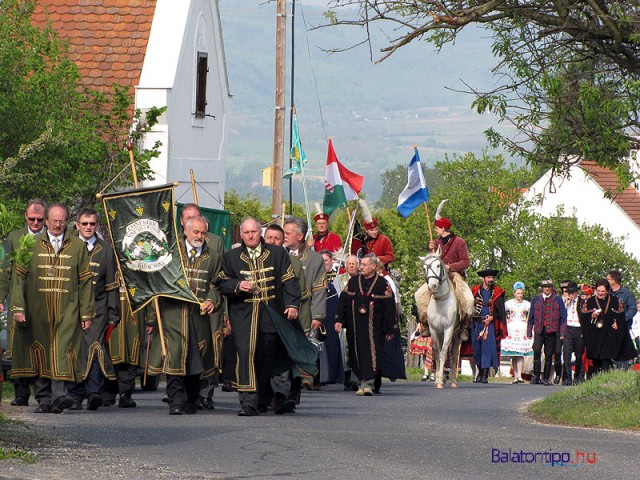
x=84, y=224
x=35, y=219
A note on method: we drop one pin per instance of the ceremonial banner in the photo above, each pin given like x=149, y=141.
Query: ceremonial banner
x=144, y=235
x=297, y=155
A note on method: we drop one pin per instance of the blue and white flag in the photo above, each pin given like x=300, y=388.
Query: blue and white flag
x=416, y=190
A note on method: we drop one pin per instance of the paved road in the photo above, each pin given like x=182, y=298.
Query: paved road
x=410, y=431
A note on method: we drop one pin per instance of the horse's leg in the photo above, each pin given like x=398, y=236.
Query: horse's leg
x=441, y=356
x=448, y=333
x=455, y=359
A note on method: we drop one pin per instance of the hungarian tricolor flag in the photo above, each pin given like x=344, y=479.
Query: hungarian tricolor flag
x=341, y=184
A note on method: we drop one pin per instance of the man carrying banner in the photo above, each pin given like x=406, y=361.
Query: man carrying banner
x=215, y=245
x=105, y=289
x=259, y=283
x=455, y=256
x=52, y=301
x=186, y=325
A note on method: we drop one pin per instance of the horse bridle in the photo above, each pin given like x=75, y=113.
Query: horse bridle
x=440, y=277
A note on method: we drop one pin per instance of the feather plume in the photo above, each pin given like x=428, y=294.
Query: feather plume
x=438, y=216
x=366, y=213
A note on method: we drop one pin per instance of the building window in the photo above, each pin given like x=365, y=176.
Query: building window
x=201, y=85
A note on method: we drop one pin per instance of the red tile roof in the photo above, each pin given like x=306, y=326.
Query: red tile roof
x=628, y=199
x=107, y=38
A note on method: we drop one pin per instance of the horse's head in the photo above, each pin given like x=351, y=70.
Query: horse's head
x=434, y=270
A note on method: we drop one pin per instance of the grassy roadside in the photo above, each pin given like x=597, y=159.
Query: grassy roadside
x=16, y=438
x=608, y=400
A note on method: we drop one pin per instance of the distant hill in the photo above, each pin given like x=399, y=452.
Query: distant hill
x=373, y=112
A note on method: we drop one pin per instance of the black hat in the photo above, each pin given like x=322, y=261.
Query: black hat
x=488, y=272
x=546, y=283
x=571, y=287
x=565, y=283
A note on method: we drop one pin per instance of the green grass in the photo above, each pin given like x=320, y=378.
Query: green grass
x=608, y=400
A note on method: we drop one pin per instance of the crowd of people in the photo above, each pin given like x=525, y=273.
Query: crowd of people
x=260, y=326
x=278, y=313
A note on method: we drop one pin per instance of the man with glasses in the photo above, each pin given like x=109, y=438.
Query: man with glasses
x=106, y=292
x=367, y=310
x=34, y=220
x=52, y=302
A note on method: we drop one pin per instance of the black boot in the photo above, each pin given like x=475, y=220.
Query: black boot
x=484, y=375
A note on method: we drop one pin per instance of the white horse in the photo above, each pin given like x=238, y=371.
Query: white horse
x=442, y=316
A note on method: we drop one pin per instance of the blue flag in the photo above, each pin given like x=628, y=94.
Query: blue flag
x=297, y=155
x=416, y=190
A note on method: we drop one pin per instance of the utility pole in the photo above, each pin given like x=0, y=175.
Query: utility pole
x=278, y=134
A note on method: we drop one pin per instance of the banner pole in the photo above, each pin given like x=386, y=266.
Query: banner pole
x=426, y=208
x=146, y=360
x=193, y=187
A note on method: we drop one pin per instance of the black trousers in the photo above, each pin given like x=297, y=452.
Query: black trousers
x=182, y=389
x=599, y=365
x=22, y=387
x=573, y=343
x=124, y=385
x=548, y=340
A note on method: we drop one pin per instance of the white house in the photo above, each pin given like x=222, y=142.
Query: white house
x=582, y=195
x=172, y=53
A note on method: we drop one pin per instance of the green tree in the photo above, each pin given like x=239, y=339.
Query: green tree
x=58, y=140
x=568, y=71
x=486, y=209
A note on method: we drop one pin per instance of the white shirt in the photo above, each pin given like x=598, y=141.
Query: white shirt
x=190, y=247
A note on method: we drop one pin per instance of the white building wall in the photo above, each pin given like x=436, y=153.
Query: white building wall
x=180, y=30
x=582, y=197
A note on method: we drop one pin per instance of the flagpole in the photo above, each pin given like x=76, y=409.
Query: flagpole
x=306, y=203
x=193, y=187
x=136, y=186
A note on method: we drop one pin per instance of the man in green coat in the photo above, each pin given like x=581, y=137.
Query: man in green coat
x=186, y=326
x=102, y=262
x=216, y=248
x=52, y=302
x=34, y=219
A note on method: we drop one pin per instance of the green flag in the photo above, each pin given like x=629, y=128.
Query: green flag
x=219, y=222
x=144, y=235
x=297, y=155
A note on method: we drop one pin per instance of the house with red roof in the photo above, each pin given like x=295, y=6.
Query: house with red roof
x=584, y=193
x=171, y=54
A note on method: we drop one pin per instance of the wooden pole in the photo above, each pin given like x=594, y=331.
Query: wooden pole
x=146, y=360
x=132, y=163
x=155, y=300
x=193, y=187
x=284, y=209
x=426, y=208
x=278, y=134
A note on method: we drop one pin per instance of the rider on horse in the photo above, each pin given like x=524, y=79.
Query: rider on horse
x=455, y=255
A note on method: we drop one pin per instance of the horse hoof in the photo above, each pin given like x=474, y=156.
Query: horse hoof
x=453, y=385
x=439, y=385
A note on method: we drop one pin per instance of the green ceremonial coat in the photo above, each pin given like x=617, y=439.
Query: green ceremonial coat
x=216, y=319
x=56, y=293
x=124, y=343
x=273, y=274
x=304, y=313
x=102, y=262
x=184, y=328
x=10, y=244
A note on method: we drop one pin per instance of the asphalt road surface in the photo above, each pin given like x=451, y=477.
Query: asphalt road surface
x=409, y=431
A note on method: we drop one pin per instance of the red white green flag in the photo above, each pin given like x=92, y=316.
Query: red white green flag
x=341, y=184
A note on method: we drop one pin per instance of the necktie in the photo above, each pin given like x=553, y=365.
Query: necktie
x=89, y=247
x=192, y=255
x=56, y=244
